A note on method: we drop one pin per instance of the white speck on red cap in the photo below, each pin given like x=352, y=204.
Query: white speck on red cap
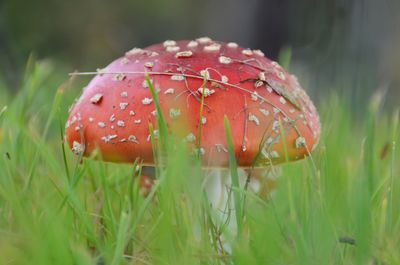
x=232, y=45
x=224, y=79
x=190, y=137
x=147, y=101
x=177, y=77
x=169, y=91
x=169, y=43
x=264, y=112
x=108, y=138
x=261, y=76
x=224, y=60
x=192, y=44
x=206, y=91
x=118, y=77
x=204, y=73
x=174, y=113
x=123, y=105
x=134, y=51
x=258, y=52
x=247, y=52
x=254, y=119
x=133, y=139
x=258, y=84
x=212, y=47
x=149, y=64
x=77, y=148
x=96, y=98
x=172, y=48
x=204, y=40
x=121, y=123
x=184, y=54
x=254, y=96
x=124, y=61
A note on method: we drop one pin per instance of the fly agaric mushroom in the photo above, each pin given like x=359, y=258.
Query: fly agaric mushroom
x=262, y=101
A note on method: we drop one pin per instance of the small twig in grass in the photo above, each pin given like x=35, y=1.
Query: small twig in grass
x=203, y=87
x=347, y=240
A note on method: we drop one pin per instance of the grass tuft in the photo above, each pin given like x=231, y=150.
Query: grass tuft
x=337, y=208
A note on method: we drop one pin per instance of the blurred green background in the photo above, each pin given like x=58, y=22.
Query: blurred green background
x=342, y=45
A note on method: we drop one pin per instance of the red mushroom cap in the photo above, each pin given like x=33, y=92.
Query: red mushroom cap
x=256, y=94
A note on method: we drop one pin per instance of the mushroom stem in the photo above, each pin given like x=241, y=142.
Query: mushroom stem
x=146, y=180
x=217, y=185
x=261, y=181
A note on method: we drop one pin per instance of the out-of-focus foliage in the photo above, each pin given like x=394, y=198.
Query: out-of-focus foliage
x=348, y=45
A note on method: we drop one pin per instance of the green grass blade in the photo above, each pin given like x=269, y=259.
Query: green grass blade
x=234, y=176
